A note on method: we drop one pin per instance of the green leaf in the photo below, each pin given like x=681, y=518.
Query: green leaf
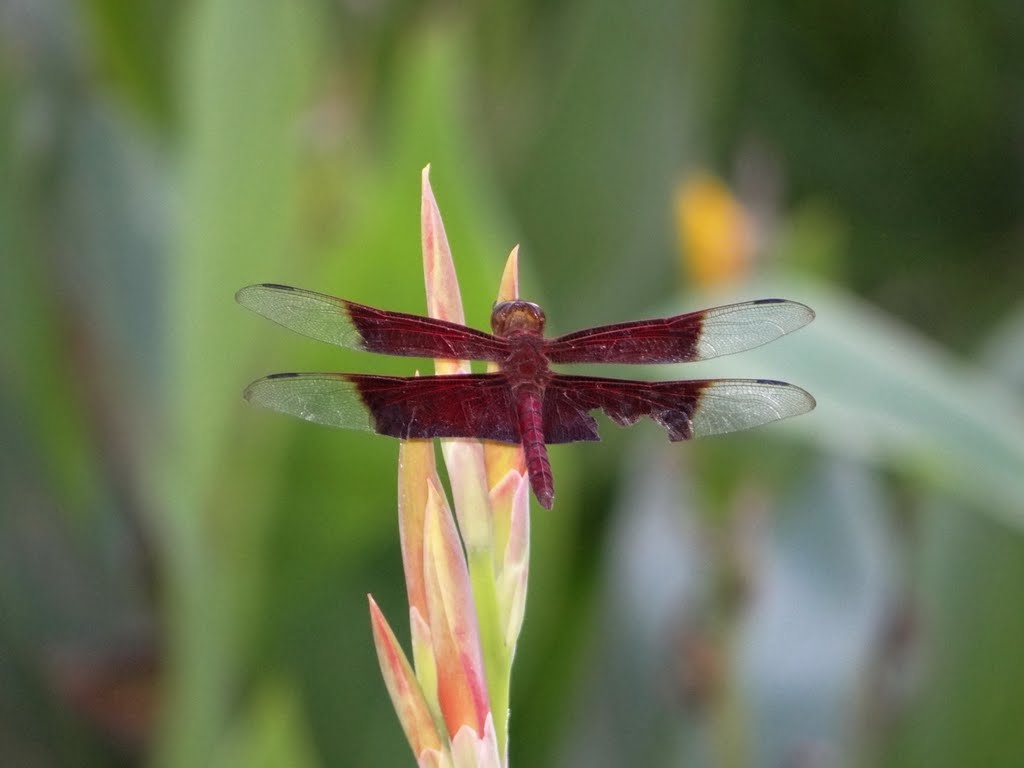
x=969, y=709
x=245, y=85
x=271, y=733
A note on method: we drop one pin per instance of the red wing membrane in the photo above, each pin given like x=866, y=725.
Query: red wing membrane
x=476, y=405
x=683, y=338
x=686, y=409
x=347, y=324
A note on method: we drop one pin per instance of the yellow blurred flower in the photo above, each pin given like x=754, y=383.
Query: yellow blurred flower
x=714, y=230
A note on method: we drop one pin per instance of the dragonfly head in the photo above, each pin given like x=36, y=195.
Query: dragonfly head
x=513, y=318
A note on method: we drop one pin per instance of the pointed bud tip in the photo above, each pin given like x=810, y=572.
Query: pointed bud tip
x=508, y=290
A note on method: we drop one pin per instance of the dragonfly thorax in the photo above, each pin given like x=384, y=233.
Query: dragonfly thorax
x=526, y=362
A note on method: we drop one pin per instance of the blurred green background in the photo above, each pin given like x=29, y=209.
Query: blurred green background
x=183, y=579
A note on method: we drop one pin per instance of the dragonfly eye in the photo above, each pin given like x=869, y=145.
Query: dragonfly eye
x=510, y=318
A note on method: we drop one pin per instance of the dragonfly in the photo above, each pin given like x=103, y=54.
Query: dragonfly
x=523, y=401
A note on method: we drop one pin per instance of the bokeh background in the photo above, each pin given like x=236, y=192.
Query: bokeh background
x=183, y=579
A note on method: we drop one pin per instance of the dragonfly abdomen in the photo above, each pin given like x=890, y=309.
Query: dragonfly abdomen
x=530, y=409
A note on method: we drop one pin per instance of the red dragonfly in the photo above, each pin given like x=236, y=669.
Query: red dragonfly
x=525, y=401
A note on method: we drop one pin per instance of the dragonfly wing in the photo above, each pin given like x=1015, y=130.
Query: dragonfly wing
x=684, y=338
x=476, y=405
x=357, y=326
x=687, y=409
